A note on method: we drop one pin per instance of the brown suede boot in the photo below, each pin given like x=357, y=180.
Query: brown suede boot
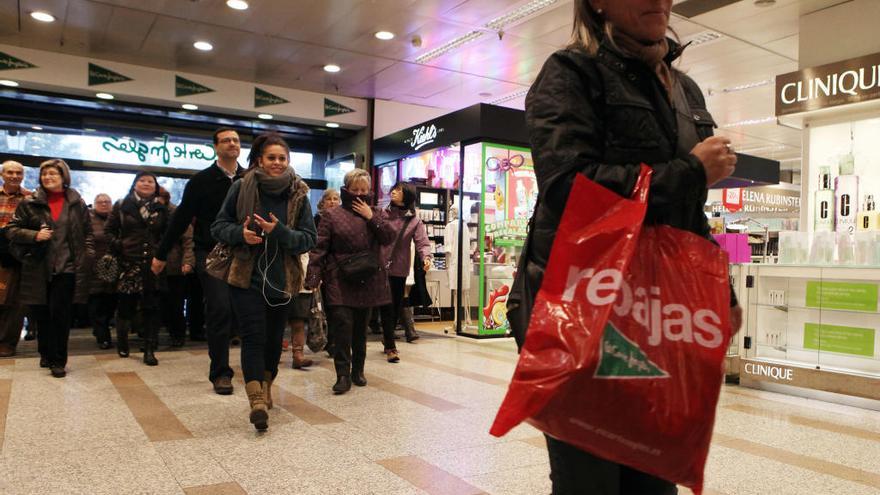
x=298, y=343
x=267, y=387
x=259, y=416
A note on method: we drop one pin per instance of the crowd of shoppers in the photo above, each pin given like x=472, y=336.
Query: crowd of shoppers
x=257, y=223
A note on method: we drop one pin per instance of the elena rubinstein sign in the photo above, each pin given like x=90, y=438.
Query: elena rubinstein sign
x=840, y=83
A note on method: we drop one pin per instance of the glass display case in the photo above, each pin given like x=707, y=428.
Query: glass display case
x=816, y=325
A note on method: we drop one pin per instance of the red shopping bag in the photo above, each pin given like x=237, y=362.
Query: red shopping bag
x=625, y=348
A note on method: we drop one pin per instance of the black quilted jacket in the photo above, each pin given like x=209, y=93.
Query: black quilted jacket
x=602, y=116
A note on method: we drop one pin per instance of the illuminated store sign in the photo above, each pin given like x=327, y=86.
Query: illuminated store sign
x=125, y=150
x=150, y=152
x=831, y=85
x=423, y=136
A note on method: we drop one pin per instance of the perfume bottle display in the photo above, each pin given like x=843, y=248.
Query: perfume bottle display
x=869, y=217
x=824, y=203
x=846, y=195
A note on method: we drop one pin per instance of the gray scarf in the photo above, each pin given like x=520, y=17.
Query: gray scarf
x=258, y=180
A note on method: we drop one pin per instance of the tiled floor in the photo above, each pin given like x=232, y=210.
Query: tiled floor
x=115, y=426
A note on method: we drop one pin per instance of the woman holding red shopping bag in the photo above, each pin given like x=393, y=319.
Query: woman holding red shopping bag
x=609, y=102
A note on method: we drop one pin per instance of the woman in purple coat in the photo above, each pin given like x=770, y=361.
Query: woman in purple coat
x=403, y=219
x=348, y=261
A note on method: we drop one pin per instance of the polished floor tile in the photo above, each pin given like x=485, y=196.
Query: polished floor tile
x=420, y=427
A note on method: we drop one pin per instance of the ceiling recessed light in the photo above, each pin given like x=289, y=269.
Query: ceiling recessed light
x=237, y=4
x=36, y=128
x=385, y=35
x=104, y=96
x=203, y=46
x=332, y=68
x=332, y=125
x=189, y=106
x=8, y=83
x=265, y=116
x=43, y=16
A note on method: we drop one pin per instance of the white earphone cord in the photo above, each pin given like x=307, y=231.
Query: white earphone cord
x=263, y=271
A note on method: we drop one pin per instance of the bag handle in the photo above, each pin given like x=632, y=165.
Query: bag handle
x=643, y=184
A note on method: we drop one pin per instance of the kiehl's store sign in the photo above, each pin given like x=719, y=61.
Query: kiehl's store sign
x=831, y=85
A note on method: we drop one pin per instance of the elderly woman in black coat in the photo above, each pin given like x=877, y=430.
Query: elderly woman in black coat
x=51, y=235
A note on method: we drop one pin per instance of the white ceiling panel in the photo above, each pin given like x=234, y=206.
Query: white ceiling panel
x=287, y=42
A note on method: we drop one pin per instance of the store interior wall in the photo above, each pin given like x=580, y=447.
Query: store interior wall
x=391, y=116
x=841, y=32
x=357, y=144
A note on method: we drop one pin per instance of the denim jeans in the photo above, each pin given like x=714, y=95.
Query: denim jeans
x=261, y=328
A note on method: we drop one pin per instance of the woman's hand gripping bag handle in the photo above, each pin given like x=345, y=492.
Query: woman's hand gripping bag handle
x=629, y=362
x=598, y=231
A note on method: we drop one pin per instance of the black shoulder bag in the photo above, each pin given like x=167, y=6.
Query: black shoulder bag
x=361, y=266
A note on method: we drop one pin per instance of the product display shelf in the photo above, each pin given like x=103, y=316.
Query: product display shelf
x=820, y=318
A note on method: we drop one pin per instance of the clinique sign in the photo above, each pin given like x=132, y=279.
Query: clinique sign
x=840, y=83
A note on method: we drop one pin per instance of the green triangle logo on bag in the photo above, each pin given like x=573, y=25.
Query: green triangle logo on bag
x=621, y=358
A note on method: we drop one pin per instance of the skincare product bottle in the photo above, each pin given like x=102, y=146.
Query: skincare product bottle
x=823, y=219
x=846, y=195
x=869, y=217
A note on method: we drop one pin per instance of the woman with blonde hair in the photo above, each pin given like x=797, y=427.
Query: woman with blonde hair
x=51, y=235
x=601, y=107
x=348, y=261
x=330, y=199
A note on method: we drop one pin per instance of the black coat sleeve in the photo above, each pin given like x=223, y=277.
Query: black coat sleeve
x=181, y=219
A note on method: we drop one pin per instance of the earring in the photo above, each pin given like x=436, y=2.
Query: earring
x=599, y=11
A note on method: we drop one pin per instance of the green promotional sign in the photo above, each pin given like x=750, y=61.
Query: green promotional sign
x=332, y=108
x=185, y=87
x=8, y=62
x=263, y=98
x=101, y=75
x=842, y=295
x=845, y=340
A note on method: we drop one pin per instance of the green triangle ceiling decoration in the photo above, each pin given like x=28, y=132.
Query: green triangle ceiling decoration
x=621, y=358
x=185, y=87
x=8, y=62
x=263, y=98
x=332, y=108
x=102, y=75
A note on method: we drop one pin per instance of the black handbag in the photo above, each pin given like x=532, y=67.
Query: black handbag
x=359, y=267
x=107, y=268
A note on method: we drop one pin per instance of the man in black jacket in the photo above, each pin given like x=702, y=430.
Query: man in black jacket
x=202, y=198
